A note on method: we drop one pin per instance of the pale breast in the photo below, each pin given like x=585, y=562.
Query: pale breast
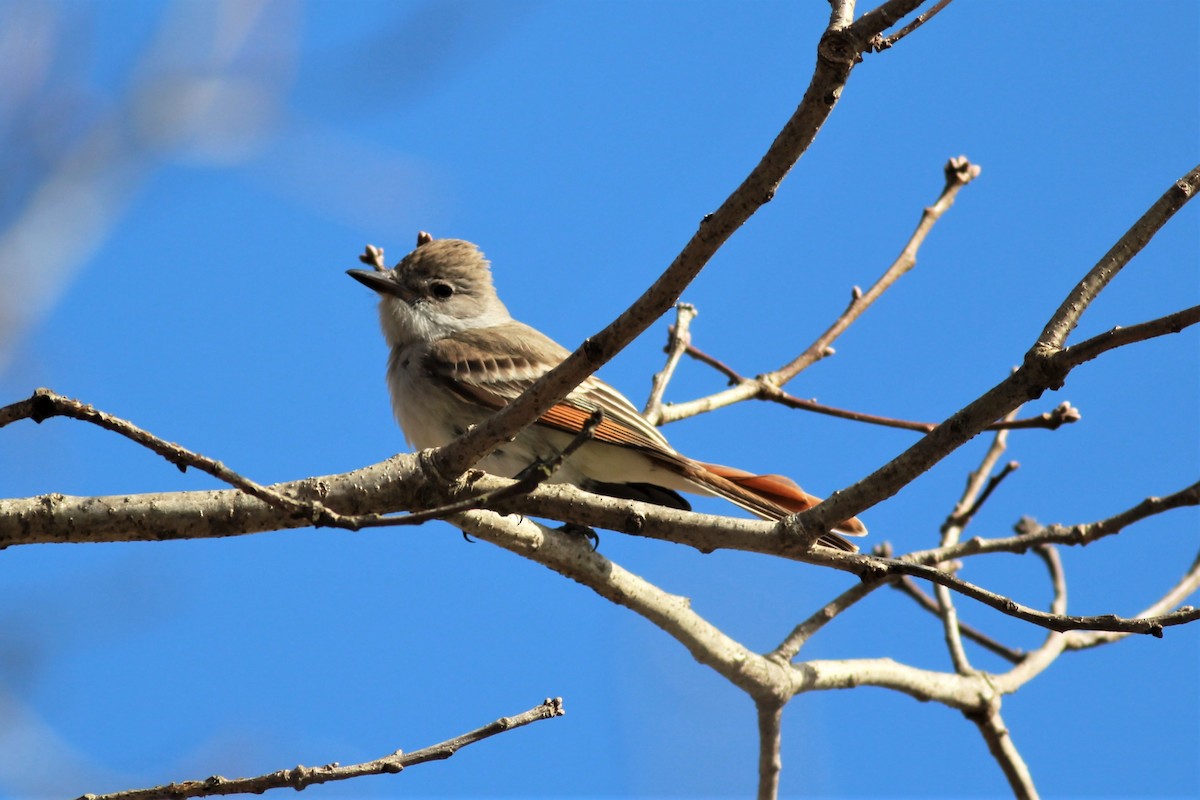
x=429, y=414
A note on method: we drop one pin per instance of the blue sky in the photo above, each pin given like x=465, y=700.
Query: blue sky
x=202, y=175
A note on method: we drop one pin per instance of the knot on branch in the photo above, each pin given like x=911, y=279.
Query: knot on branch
x=1043, y=369
x=840, y=48
x=43, y=405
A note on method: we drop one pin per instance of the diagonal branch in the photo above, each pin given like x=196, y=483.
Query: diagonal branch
x=1045, y=366
x=881, y=43
x=1064, y=320
x=837, y=53
x=958, y=172
x=299, y=778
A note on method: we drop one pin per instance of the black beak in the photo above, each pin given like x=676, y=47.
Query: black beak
x=379, y=281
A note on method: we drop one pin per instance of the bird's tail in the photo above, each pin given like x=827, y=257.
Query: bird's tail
x=770, y=497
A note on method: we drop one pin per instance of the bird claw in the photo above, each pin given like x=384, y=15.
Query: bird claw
x=575, y=529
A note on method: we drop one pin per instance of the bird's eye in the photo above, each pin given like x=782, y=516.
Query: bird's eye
x=441, y=290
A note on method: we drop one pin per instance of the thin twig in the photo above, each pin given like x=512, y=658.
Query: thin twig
x=799, y=636
x=1056, y=622
x=958, y=172
x=978, y=487
x=299, y=778
x=1063, y=414
x=44, y=404
x=909, y=587
x=881, y=43
x=1183, y=588
x=678, y=338
x=964, y=519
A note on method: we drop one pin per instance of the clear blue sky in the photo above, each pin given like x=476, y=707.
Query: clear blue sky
x=220, y=166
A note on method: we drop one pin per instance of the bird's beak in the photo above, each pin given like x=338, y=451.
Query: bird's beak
x=381, y=282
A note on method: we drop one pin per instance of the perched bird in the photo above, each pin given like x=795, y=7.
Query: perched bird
x=457, y=356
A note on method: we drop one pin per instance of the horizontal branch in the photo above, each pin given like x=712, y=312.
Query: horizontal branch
x=1063, y=414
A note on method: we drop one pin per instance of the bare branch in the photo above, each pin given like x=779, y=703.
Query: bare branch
x=1119, y=337
x=1064, y=320
x=909, y=587
x=1063, y=414
x=974, y=495
x=770, y=733
x=44, y=404
x=299, y=778
x=877, y=21
x=800, y=635
x=1000, y=745
x=1044, y=367
x=881, y=43
x=993, y=482
x=837, y=53
x=678, y=338
x=1056, y=622
x=1184, y=588
x=958, y=172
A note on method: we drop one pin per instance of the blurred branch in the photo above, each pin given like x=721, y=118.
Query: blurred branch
x=300, y=778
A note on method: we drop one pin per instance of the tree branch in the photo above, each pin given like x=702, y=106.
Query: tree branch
x=881, y=43
x=837, y=53
x=299, y=778
x=1119, y=337
x=1064, y=320
x=678, y=339
x=770, y=735
x=1045, y=366
x=1000, y=745
x=958, y=172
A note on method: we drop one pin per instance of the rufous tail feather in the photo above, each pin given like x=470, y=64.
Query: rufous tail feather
x=772, y=497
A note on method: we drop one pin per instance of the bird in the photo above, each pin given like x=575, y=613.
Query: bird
x=457, y=356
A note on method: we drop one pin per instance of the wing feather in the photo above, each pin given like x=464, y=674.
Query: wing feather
x=493, y=366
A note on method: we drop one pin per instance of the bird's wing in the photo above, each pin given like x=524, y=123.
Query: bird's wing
x=493, y=366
